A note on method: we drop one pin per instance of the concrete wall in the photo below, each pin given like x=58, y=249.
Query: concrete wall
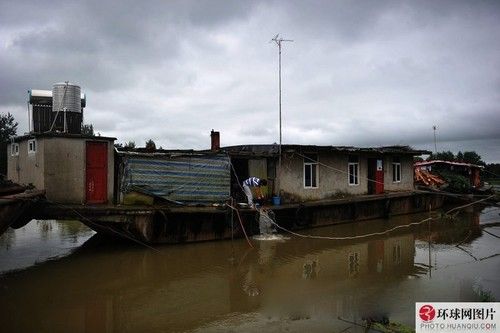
x=332, y=180
x=333, y=176
x=27, y=168
x=58, y=167
x=406, y=183
x=65, y=170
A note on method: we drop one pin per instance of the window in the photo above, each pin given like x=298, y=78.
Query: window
x=14, y=149
x=353, y=263
x=31, y=146
x=271, y=168
x=396, y=170
x=353, y=170
x=396, y=253
x=310, y=170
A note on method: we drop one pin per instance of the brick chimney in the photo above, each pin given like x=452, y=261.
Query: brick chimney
x=215, y=136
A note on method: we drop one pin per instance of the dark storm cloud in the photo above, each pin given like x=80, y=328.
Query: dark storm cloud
x=99, y=44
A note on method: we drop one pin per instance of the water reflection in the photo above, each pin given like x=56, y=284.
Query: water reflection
x=39, y=241
x=296, y=285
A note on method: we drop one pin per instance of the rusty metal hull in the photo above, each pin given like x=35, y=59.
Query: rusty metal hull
x=193, y=224
x=15, y=210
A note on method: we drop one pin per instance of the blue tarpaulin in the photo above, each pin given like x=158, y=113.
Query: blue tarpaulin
x=191, y=179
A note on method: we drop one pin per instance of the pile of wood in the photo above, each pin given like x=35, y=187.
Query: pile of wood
x=427, y=178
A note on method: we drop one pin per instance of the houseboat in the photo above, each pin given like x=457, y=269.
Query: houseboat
x=171, y=196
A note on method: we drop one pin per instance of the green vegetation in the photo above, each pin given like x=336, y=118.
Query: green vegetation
x=150, y=145
x=444, y=156
x=88, y=130
x=130, y=144
x=8, y=129
x=491, y=173
x=466, y=157
x=456, y=183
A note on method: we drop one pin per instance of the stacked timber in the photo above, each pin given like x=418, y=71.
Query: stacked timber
x=425, y=177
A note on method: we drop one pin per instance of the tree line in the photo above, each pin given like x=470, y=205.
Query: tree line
x=489, y=172
x=466, y=157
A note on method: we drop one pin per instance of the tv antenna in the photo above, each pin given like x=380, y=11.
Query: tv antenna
x=278, y=40
x=435, y=141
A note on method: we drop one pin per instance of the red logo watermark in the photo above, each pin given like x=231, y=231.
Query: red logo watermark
x=427, y=313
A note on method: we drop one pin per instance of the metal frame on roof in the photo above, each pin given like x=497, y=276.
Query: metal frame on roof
x=470, y=165
x=273, y=150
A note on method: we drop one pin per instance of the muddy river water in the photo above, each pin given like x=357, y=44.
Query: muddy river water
x=59, y=276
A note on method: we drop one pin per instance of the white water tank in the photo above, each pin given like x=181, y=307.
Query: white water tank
x=66, y=97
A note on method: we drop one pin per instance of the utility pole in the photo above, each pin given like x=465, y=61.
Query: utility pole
x=435, y=142
x=278, y=40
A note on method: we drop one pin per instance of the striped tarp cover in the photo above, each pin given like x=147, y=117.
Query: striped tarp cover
x=191, y=179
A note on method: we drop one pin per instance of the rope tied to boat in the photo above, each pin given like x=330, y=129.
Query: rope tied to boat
x=428, y=219
x=241, y=224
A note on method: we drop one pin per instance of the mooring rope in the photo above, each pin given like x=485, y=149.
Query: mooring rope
x=352, y=237
x=241, y=224
x=101, y=226
x=370, y=234
x=469, y=204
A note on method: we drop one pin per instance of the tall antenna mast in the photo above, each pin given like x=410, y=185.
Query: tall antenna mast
x=435, y=142
x=278, y=40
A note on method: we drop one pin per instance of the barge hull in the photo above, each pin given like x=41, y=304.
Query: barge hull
x=172, y=225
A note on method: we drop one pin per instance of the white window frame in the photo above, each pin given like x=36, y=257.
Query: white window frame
x=353, y=263
x=396, y=253
x=356, y=174
x=14, y=149
x=32, y=146
x=396, y=172
x=312, y=165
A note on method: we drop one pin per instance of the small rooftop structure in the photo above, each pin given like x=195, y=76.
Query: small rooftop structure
x=57, y=110
x=468, y=170
x=71, y=168
x=450, y=163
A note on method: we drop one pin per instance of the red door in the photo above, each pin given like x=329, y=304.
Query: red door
x=96, y=183
x=379, y=177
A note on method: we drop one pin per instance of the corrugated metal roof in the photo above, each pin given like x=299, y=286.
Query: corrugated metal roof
x=273, y=149
x=418, y=164
x=61, y=135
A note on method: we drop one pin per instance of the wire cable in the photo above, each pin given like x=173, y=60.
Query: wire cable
x=101, y=226
x=365, y=235
x=242, y=227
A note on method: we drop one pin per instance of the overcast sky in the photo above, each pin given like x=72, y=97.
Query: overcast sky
x=361, y=73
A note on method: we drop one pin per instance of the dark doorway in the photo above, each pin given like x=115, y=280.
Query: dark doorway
x=239, y=172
